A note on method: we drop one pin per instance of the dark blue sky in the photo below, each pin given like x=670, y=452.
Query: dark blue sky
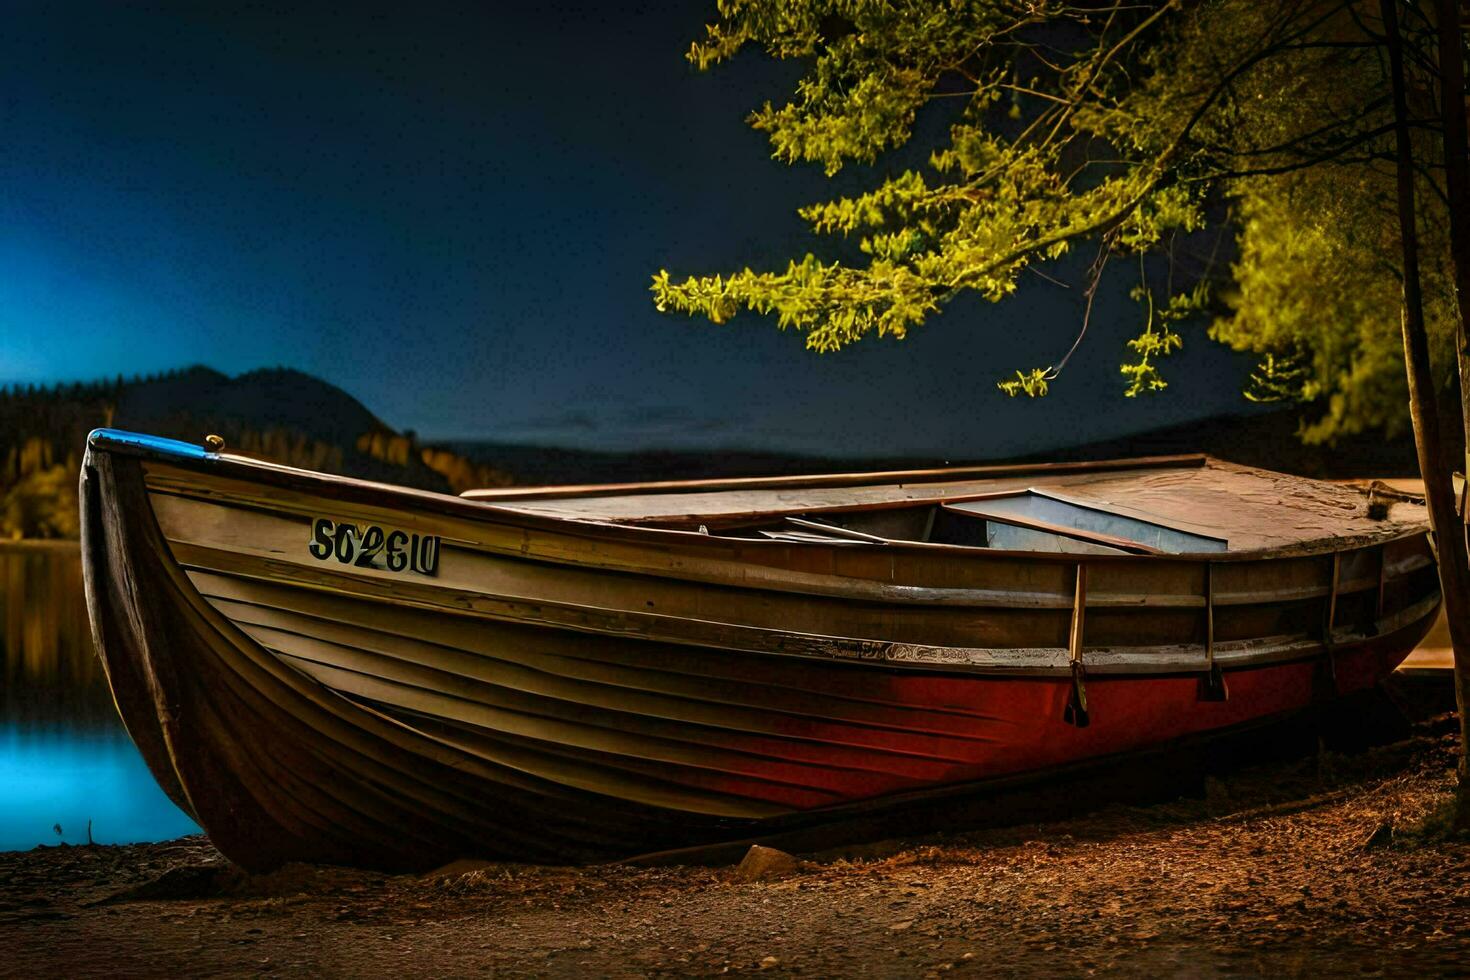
x=453, y=213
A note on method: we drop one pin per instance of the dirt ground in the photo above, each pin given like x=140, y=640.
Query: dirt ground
x=1327, y=865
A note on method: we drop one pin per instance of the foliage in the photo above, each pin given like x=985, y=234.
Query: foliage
x=1316, y=295
x=1159, y=338
x=38, y=493
x=41, y=505
x=1129, y=124
x=459, y=473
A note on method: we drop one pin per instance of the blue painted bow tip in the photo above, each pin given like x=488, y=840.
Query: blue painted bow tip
x=119, y=440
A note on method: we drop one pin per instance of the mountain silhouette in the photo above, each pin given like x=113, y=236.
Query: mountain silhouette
x=286, y=415
x=274, y=398
x=279, y=414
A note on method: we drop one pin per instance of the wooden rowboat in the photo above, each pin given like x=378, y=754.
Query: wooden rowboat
x=323, y=669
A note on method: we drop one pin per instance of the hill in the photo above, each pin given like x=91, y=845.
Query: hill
x=278, y=414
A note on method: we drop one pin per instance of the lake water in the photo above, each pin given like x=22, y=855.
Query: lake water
x=65, y=759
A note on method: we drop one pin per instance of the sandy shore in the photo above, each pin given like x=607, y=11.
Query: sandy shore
x=1312, y=867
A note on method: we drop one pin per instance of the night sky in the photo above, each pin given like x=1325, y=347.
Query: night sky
x=453, y=214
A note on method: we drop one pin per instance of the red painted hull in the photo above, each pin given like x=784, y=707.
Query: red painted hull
x=947, y=730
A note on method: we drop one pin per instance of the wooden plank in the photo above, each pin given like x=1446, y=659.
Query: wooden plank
x=1382, y=580
x=1331, y=619
x=807, y=537
x=1012, y=582
x=1021, y=662
x=831, y=479
x=841, y=532
x=1210, y=613
x=556, y=665
x=1079, y=616
x=736, y=511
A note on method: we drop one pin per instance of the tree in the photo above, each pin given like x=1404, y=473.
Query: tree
x=40, y=505
x=1315, y=293
x=1319, y=137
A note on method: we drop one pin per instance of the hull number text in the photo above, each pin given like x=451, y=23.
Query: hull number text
x=370, y=546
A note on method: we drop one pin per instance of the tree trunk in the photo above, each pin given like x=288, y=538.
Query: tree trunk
x=1439, y=490
x=1457, y=185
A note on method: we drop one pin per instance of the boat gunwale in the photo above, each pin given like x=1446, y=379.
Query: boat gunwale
x=190, y=457
x=935, y=474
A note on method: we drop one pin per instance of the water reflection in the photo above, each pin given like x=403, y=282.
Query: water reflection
x=64, y=756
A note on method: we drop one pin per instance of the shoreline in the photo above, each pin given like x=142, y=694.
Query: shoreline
x=1302, y=867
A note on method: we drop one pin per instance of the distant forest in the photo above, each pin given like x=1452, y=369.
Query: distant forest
x=279, y=414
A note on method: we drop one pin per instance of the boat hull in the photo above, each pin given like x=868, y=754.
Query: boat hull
x=305, y=715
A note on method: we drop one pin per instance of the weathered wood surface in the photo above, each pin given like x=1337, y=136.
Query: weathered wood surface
x=830, y=479
x=1146, y=617
x=563, y=690
x=1252, y=509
